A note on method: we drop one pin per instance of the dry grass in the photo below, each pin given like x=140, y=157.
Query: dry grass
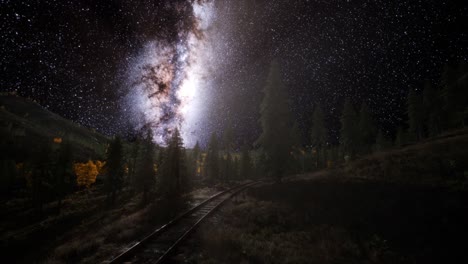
x=334, y=221
x=438, y=160
x=263, y=232
x=434, y=161
x=102, y=236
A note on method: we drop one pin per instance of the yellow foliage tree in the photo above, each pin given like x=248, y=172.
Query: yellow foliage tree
x=86, y=173
x=100, y=165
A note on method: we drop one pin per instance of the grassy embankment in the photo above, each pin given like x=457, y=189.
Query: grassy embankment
x=405, y=205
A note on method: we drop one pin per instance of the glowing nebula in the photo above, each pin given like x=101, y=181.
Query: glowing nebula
x=166, y=80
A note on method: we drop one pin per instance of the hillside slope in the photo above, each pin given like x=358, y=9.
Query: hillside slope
x=437, y=159
x=24, y=125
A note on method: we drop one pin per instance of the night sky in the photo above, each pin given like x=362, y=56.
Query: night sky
x=116, y=65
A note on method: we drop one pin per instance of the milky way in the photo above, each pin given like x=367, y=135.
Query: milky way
x=166, y=80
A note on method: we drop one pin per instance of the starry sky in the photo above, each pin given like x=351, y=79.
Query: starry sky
x=115, y=65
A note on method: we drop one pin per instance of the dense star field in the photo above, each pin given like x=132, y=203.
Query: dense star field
x=116, y=65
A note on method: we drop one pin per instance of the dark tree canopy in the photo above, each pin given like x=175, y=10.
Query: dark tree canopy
x=367, y=129
x=145, y=172
x=455, y=94
x=174, y=178
x=415, y=114
x=349, y=129
x=65, y=180
x=319, y=131
x=114, y=168
x=246, y=166
x=212, y=158
x=275, y=122
x=432, y=106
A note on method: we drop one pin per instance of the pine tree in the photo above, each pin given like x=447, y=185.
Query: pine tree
x=145, y=171
x=400, y=139
x=195, y=159
x=381, y=142
x=296, y=147
x=432, y=110
x=235, y=168
x=415, y=114
x=296, y=137
x=261, y=165
x=212, y=159
x=114, y=169
x=246, y=166
x=228, y=138
x=226, y=157
x=174, y=178
x=349, y=130
x=462, y=84
x=455, y=94
x=133, y=162
x=196, y=151
x=275, y=123
x=367, y=129
x=228, y=168
x=333, y=155
x=318, y=133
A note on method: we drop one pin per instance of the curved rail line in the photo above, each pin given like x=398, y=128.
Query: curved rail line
x=157, y=246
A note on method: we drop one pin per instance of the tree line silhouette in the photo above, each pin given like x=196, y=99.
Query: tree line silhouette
x=430, y=112
x=169, y=172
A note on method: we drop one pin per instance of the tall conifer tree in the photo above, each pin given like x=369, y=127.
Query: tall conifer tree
x=275, y=123
x=174, y=179
x=145, y=172
x=367, y=129
x=212, y=158
x=318, y=133
x=349, y=130
x=114, y=169
x=415, y=114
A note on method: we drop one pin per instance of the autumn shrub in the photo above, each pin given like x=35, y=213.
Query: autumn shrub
x=86, y=173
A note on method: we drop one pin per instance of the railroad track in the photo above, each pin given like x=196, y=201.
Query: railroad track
x=157, y=246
